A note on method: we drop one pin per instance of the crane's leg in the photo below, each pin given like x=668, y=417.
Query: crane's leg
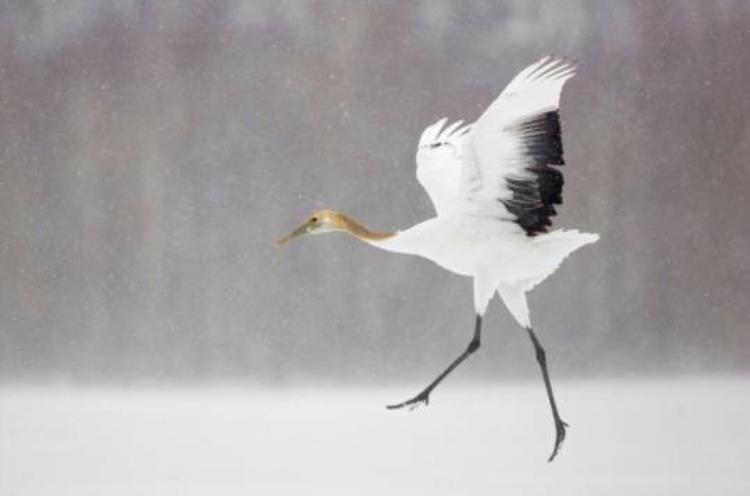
x=424, y=396
x=560, y=425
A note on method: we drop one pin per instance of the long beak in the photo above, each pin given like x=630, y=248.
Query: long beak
x=303, y=229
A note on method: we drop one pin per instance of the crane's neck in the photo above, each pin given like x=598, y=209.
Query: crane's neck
x=390, y=241
x=351, y=226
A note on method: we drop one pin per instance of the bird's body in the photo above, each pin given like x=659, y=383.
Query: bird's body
x=483, y=248
x=493, y=185
x=454, y=244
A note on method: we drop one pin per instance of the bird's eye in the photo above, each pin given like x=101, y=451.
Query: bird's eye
x=314, y=219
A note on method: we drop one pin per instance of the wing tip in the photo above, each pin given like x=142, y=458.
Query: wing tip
x=550, y=69
x=438, y=132
x=553, y=67
x=431, y=132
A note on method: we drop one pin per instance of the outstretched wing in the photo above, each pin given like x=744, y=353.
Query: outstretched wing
x=439, y=163
x=509, y=159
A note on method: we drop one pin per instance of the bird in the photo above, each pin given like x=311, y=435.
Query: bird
x=494, y=185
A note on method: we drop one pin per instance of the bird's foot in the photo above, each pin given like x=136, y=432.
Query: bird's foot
x=415, y=402
x=560, y=427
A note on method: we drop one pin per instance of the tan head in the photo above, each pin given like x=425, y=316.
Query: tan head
x=327, y=220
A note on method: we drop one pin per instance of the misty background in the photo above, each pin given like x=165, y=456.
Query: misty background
x=152, y=152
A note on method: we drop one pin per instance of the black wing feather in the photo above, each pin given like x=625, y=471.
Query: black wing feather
x=534, y=197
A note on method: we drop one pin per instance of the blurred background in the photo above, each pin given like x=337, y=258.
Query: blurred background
x=152, y=152
x=155, y=340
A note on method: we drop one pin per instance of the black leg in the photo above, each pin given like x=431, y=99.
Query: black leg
x=424, y=396
x=560, y=425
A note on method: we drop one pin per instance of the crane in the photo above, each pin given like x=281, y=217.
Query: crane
x=494, y=185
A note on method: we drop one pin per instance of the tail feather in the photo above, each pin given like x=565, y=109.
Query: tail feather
x=552, y=249
x=556, y=247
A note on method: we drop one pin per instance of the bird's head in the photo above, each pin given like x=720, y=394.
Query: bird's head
x=321, y=221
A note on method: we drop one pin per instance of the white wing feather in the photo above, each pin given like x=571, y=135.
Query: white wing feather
x=465, y=169
x=494, y=150
x=439, y=163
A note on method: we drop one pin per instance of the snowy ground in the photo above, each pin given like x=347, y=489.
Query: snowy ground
x=666, y=437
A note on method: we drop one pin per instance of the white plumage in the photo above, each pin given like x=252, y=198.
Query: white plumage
x=465, y=171
x=494, y=185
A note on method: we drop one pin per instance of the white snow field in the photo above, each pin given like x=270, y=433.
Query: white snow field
x=653, y=437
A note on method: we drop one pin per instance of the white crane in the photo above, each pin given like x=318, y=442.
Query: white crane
x=494, y=185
